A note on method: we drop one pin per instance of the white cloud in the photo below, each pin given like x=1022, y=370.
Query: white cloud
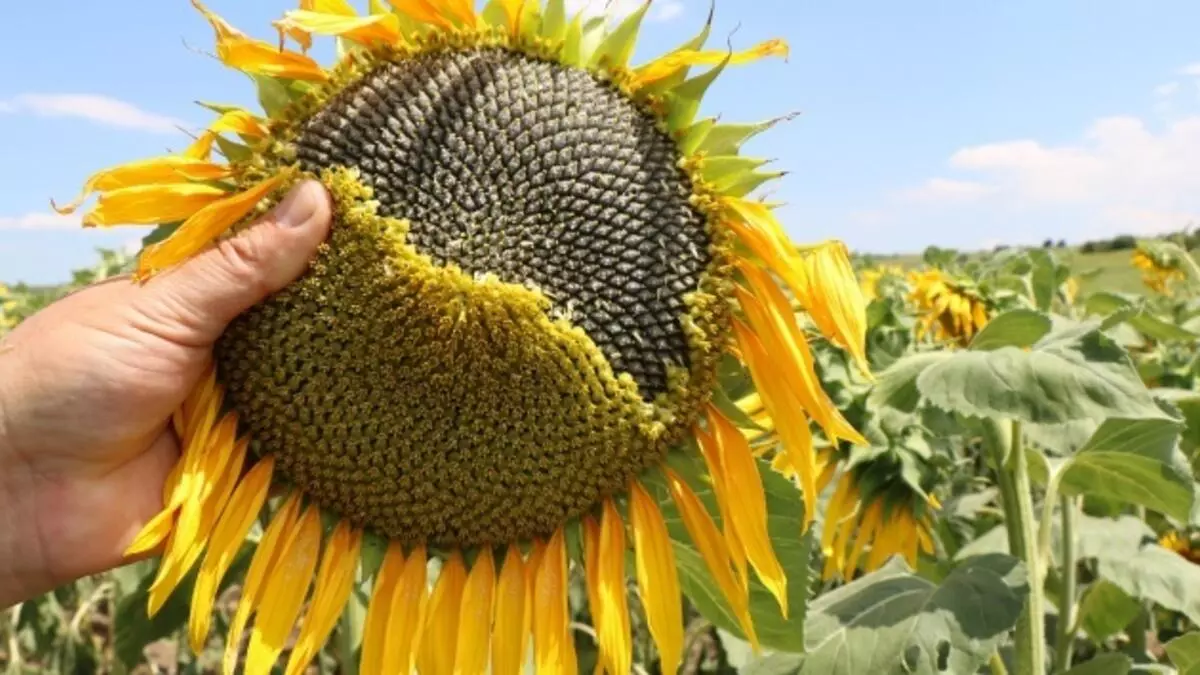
x=1192, y=69
x=99, y=109
x=39, y=221
x=1166, y=90
x=945, y=191
x=662, y=10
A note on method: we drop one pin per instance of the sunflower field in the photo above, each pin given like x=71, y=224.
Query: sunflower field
x=558, y=394
x=1026, y=502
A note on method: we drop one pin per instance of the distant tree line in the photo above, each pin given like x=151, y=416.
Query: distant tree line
x=1126, y=242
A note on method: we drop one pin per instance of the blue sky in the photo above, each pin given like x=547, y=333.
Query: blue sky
x=961, y=124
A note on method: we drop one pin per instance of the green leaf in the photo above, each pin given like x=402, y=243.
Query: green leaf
x=1185, y=653
x=1105, y=610
x=1018, y=328
x=1188, y=404
x=1104, y=664
x=160, y=233
x=891, y=621
x=785, y=523
x=896, y=387
x=1075, y=373
x=1136, y=462
x=1132, y=310
x=1044, y=280
x=1155, y=573
x=134, y=629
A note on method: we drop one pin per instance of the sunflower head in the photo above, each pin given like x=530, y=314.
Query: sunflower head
x=1160, y=270
x=540, y=254
x=949, y=309
x=1182, y=543
x=876, y=281
x=876, y=513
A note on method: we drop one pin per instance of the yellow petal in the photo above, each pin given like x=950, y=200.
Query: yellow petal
x=442, y=625
x=514, y=9
x=786, y=410
x=266, y=556
x=712, y=459
x=222, y=27
x=461, y=10
x=673, y=63
x=612, y=626
x=373, y=29
x=154, y=171
x=657, y=577
x=376, y=633
x=712, y=548
x=256, y=56
x=239, y=122
x=591, y=569
x=750, y=509
x=835, y=300
x=406, y=628
x=553, y=650
x=151, y=204
x=510, y=633
x=335, y=581
x=284, y=593
x=202, y=228
x=422, y=11
x=227, y=538
x=774, y=315
x=475, y=616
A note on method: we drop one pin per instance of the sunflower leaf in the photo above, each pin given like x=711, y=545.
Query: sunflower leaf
x=1074, y=373
x=891, y=621
x=1018, y=328
x=1104, y=664
x=785, y=521
x=1134, y=462
x=1185, y=653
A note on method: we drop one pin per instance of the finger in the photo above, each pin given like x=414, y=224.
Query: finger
x=207, y=292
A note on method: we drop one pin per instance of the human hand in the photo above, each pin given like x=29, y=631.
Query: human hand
x=88, y=386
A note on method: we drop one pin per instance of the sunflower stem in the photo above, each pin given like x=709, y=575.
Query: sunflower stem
x=1065, y=642
x=996, y=664
x=1031, y=631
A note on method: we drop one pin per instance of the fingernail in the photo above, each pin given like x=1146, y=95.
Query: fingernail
x=299, y=206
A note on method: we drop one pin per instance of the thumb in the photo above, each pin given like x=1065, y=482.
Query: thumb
x=208, y=291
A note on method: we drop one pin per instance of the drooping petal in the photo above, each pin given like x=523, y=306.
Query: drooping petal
x=750, y=509
x=335, y=581
x=227, y=538
x=406, y=627
x=617, y=48
x=256, y=56
x=462, y=11
x=221, y=27
x=241, y=122
x=712, y=548
x=284, y=593
x=553, y=649
x=673, y=63
x=716, y=472
x=835, y=300
x=203, y=227
x=474, y=636
x=263, y=564
x=372, y=29
x=657, y=577
x=376, y=633
x=442, y=625
x=786, y=410
x=591, y=569
x=151, y=204
x=613, y=627
x=169, y=169
x=510, y=633
x=774, y=316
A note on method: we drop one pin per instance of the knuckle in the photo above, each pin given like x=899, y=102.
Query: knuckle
x=244, y=258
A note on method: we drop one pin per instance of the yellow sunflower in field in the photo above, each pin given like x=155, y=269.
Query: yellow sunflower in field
x=1180, y=543
x=8, y=309
x=873, y=513
x=869, y=279
x=948, y=310
x=1158, y=273
x=539, y=255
